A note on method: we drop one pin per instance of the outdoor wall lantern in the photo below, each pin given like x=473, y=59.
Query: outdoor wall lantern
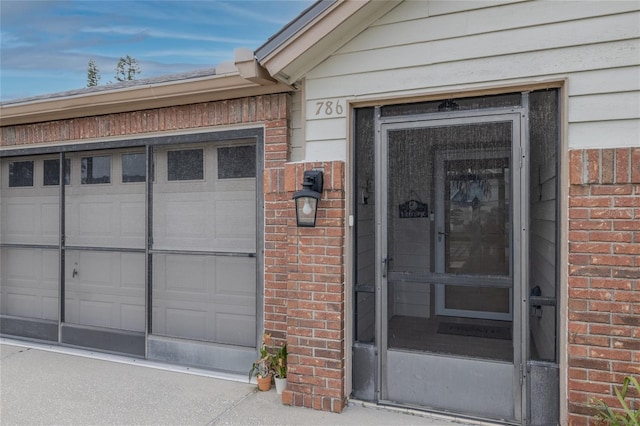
x=307, y=198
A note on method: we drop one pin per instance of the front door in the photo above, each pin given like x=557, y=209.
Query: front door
x=449, y=240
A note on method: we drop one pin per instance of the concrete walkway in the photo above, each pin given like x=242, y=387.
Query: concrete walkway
x=44, y=385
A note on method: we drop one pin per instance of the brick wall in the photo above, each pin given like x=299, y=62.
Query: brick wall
x=304, y=275
x=604, y=276
x=267, y=108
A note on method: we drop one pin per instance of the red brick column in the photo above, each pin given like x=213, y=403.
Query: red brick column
x=315, y=299
x=277, y=213
x=604, y=276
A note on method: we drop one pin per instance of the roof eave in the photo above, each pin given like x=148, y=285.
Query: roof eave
x=145, y=96
x=328, y=28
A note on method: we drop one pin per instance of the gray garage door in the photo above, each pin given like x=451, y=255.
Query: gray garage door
x=166, y=269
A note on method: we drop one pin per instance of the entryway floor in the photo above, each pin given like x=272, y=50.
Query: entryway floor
x=421, y=334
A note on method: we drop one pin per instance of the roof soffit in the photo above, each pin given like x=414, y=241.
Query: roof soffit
x=322, y=36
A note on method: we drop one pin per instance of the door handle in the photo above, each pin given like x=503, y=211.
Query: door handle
x=441, y=234
x=385, y=262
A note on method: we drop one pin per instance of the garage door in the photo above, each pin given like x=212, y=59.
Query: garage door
x=164, y=267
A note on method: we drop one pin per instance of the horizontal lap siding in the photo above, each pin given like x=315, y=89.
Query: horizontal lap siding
x=422, y=47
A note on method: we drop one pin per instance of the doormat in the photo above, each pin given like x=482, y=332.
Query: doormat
x=475, y=330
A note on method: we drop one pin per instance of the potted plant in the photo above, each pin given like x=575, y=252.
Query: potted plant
x=263, y=367
x=280, y=368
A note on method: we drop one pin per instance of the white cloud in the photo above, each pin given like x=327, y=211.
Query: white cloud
x=141, y=31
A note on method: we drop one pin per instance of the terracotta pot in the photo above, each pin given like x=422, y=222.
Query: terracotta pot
x=264, y=383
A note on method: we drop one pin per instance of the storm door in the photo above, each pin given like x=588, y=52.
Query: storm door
x=449, y=239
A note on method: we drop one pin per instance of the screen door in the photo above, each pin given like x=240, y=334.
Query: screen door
x=449, y=262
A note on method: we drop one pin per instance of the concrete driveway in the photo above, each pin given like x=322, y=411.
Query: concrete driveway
x=45, y=385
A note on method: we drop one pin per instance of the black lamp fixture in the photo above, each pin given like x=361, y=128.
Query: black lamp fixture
x=307, y=198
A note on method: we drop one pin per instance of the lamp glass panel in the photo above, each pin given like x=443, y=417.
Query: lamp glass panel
x=306, y=210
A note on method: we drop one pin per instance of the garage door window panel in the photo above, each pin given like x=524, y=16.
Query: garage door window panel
x=95, y=170
x=185, y=164
x=51, y=172
x=20, y=174
x=133, y=168
x=236, y=162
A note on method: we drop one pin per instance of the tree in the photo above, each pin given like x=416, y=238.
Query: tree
x=93, y=74
x=127, y=69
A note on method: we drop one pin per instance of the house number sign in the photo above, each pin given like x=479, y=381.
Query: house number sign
x=327, y=108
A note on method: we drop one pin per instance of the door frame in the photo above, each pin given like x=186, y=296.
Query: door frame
x=440, y=182
x=520, y=191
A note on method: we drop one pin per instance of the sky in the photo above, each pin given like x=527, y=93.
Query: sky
x=45, y=46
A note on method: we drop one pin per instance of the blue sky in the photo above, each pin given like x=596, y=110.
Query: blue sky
x=46, y=45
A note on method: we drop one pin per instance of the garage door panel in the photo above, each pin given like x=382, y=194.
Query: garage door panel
x=132, y=317
x=216, y=225
x=94, y=220
x=217, y=323
x=185, y=219
x=50, y=308
x=194, y=295
x=107, y=289
x=20, y=222
x=187, y=324
x=49, y=269
x=22, y=305
x=205, y=278
x=235, y=220
x=95, y=313
x=28, y=283
x=90, y=269
x=50, y=214
x=132, y=272
x=17, y=267
x=236, y=277
x=235, y=329
x=132, y=222
x=105, y=220
x=182, y=274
